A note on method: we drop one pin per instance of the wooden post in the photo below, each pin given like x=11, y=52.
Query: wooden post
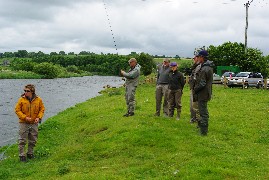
x=246, y=28
x=265, y=84
x=225, y=81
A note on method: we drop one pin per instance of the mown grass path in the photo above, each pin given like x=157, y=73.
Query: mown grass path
x=93, y=141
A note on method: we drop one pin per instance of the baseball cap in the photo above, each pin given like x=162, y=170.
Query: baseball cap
x=173, y=64
x=203, y=53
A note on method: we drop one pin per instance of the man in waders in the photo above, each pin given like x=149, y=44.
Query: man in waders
x=132, y=79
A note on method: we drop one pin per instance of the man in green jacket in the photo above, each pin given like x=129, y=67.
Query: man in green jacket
x=132, y=77
x=203, y=89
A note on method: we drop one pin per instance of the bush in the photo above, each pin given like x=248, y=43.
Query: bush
x=22, y=64
x=47, y=70
x=146, y=62
x=72, y=68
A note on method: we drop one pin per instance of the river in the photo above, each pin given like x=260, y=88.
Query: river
x=57, y=94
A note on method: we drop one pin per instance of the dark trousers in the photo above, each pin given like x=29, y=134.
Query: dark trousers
x=204, y=116
x=174, y=101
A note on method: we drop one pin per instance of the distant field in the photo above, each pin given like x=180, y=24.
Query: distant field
x=182, y=60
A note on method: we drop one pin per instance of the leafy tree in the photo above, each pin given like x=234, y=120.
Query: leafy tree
x=184, y=66
x=22, y=54
x=53, y=53
x=8, y=55
x=40, y=54
x=234, y=54
x=47, y=70
x=146, y=62
x=72, y=68
x=177, y=57
x=83, y=53
x=62, y=53
x=24, y=64
x=31, y=54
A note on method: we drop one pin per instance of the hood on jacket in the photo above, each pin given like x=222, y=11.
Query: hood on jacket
x=208, y=63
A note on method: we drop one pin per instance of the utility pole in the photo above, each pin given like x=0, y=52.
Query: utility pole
x=246, y=29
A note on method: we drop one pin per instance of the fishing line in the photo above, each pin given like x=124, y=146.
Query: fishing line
x=108, y=20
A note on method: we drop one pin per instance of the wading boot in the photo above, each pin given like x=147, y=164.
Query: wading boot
x=178, y=115
x=203, y=130
x=30, y=156
x=198, y=124
x=126, y=115
x=193, y=120
x=22, y=159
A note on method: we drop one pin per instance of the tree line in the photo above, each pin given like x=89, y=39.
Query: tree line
x=49, y=65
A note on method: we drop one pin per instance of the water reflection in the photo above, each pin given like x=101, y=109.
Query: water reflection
x=57, y=95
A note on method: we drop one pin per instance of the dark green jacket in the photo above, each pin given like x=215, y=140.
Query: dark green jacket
x=176, y=80
x=204, y=79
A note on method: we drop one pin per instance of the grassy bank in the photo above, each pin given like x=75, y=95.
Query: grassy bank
x=93, y=141
x=6, y=73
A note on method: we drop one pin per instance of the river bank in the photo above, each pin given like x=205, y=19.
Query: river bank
x=94, y=141
x=57, y=95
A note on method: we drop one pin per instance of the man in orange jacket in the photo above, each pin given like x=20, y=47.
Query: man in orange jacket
x=30, y=110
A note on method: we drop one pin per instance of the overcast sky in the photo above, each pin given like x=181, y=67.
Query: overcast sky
x=157, y=27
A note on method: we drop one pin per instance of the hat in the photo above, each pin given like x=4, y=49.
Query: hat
x=173, y=64
x=203, y=53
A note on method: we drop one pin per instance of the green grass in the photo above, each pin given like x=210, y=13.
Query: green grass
x=9, y=74
x=93, y=141
x=179, y=61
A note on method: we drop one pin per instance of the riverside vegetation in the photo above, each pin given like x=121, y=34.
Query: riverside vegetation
x=93, y=141
x=59, y=66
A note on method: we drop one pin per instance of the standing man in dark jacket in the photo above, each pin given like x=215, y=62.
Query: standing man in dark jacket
x=194, y=105
x=162, y=87
x=203, y=89
x=175, y=86
x=132, y=79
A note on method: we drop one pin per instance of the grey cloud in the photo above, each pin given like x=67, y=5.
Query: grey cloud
x=157, y=27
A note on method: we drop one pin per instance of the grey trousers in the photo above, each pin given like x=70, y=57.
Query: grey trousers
x=27, y=132
x=130, y=98
x=161, y=92
x=194, y=108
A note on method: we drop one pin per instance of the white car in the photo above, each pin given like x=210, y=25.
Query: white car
x=246, y=79
x=216, y=79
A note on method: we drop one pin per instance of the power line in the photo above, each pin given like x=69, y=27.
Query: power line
x=110, y=27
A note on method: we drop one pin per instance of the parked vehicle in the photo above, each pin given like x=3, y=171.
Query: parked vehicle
x=216, y=79
x=227, y=75
x=246, y=79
